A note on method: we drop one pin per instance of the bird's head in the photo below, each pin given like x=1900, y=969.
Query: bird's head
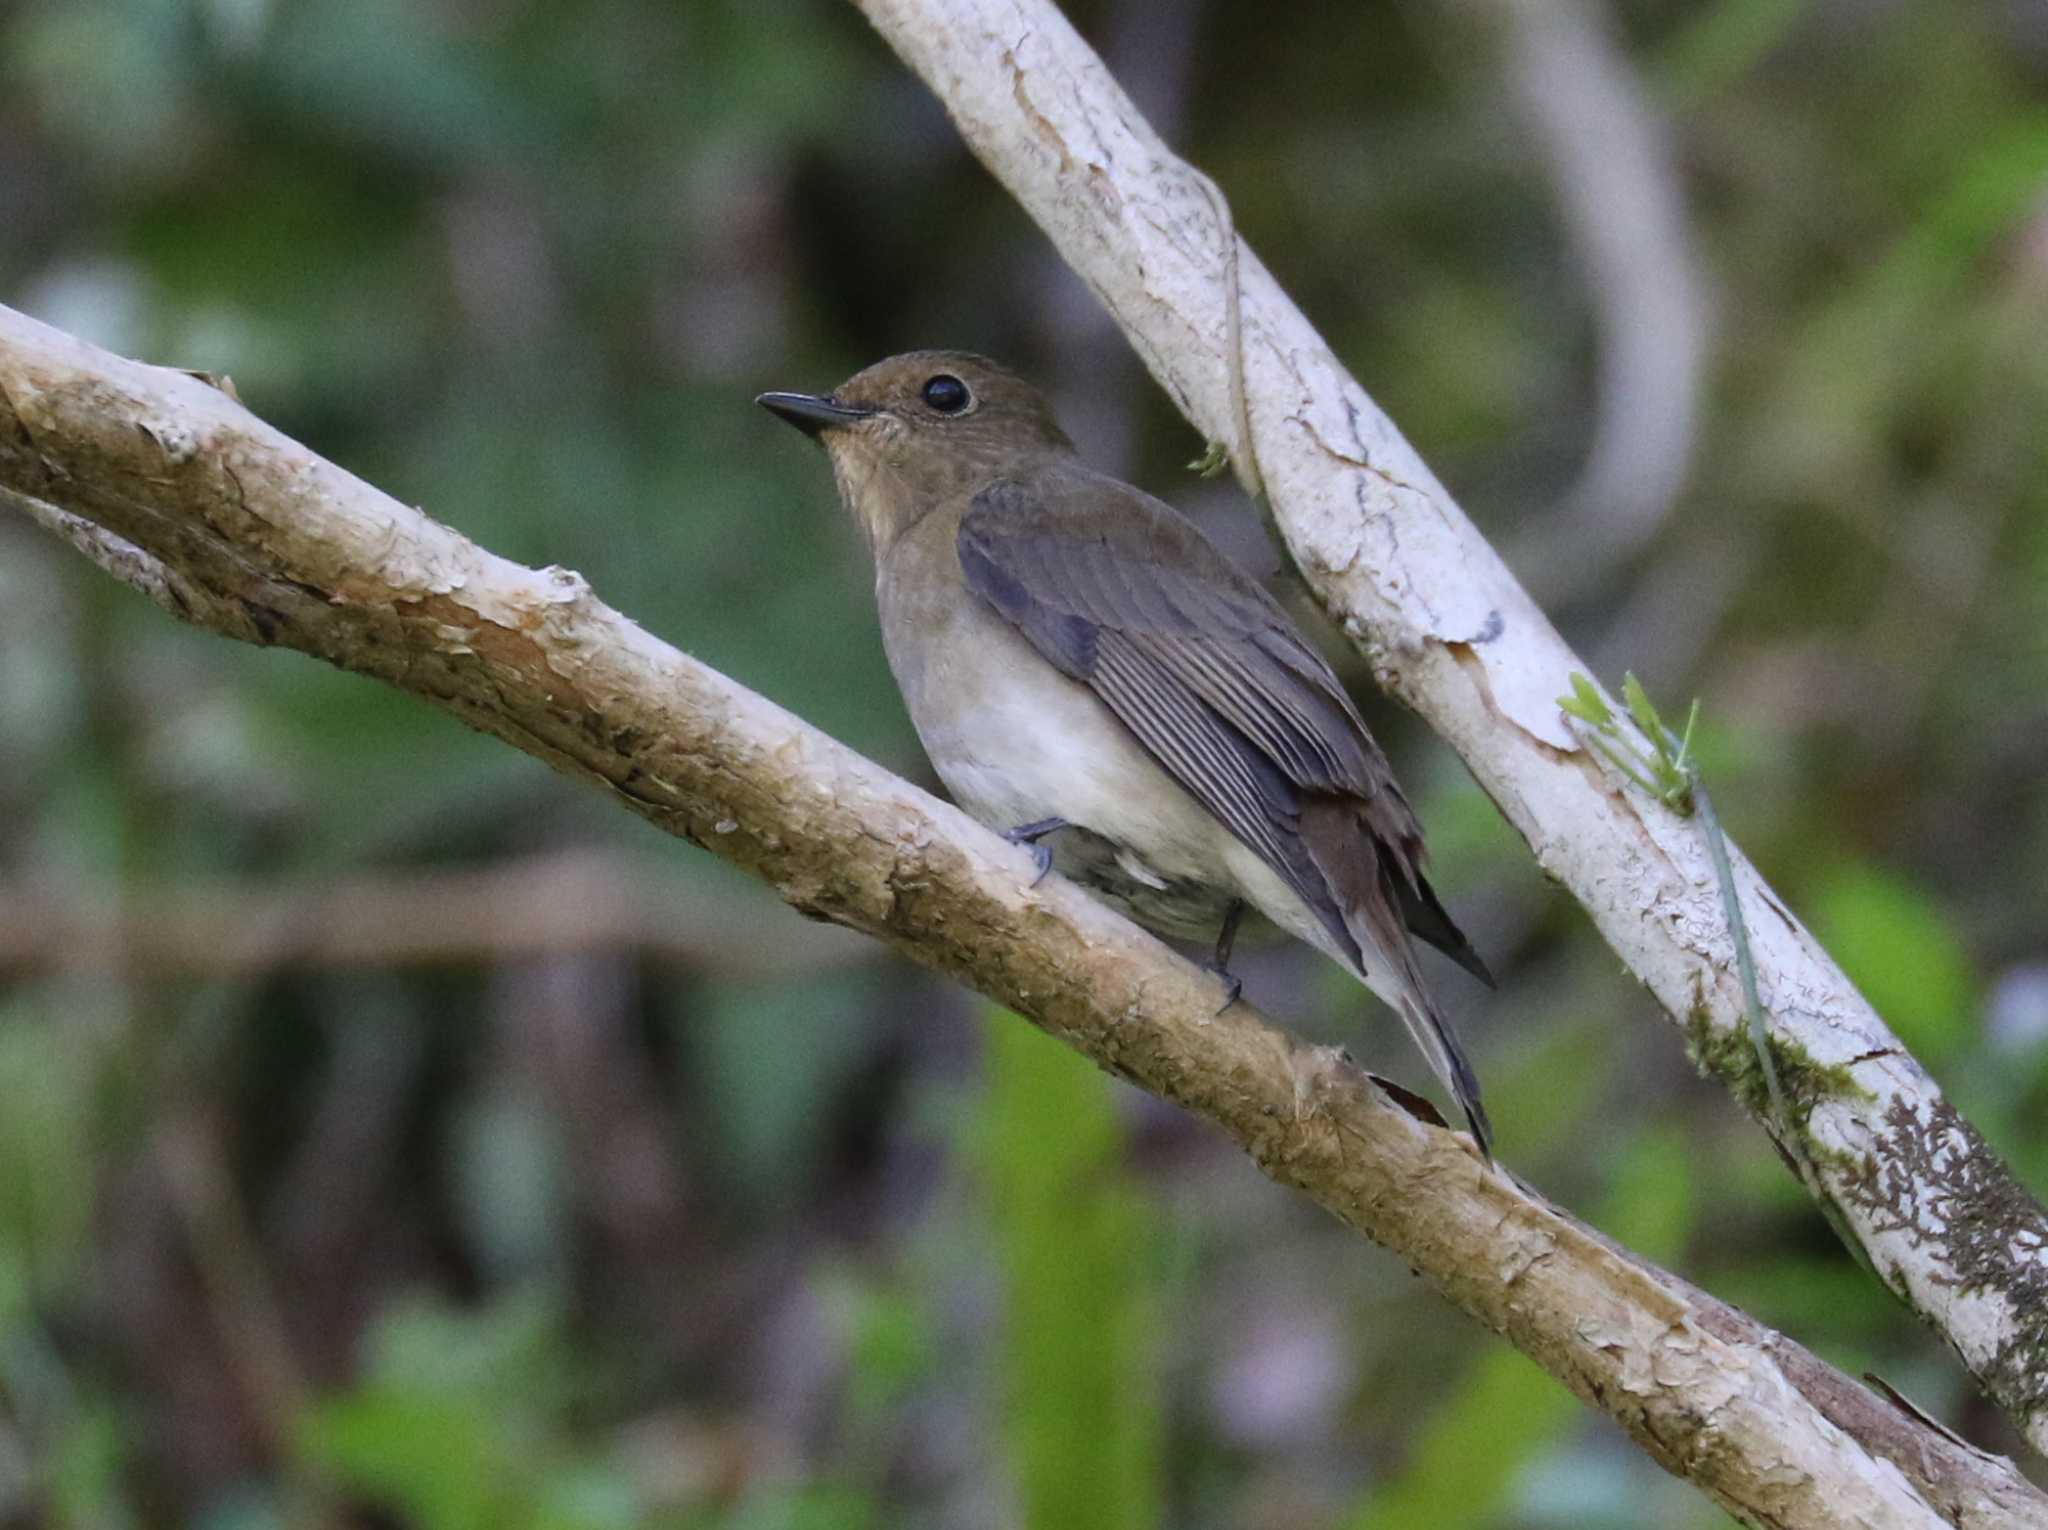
x=920, y=429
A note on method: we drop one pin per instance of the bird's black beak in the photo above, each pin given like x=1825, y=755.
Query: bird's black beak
x=811, y=413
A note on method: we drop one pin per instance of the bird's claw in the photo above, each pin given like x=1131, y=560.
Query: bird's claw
x=1233, y=985
x=1226, y=942
x=1032, y=837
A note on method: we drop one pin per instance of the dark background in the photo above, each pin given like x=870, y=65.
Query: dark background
x=441, y=1147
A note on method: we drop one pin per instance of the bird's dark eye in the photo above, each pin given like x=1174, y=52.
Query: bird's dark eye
x=946, y=393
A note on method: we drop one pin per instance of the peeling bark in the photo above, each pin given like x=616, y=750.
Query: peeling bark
x=179, y=491
x=1395, y=563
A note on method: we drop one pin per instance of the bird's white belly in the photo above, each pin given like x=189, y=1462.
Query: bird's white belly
x=1017, y=742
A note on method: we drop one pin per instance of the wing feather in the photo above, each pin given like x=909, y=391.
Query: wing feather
x=1201, y=664
x=1255, y=801
x=1209, y=675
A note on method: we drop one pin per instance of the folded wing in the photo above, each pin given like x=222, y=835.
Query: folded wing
x=1208, y=673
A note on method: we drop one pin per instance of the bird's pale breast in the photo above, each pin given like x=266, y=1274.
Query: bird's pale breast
x=1016, y=741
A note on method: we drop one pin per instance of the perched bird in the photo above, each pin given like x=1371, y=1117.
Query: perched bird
x=1087, y=670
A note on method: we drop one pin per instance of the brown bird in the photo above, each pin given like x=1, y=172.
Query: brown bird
x=1084, y=665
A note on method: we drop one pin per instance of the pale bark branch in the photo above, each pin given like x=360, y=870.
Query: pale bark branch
x=250, y=535
x=1449, y=631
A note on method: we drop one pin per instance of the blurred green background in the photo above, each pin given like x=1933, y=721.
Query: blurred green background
x=392, y=1134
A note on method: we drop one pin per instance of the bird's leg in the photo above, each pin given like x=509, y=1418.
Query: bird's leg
x=1029, y=835
x=1225, y=939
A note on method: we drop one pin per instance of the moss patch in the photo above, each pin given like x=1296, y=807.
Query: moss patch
x=1726, y=1054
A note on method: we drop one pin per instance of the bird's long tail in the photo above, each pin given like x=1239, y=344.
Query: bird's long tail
x=1439, y=1043
x=1367, y=899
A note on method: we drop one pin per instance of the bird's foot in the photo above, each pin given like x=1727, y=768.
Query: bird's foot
x=1233, y=985
x=1032, y=836
x=1226, y=940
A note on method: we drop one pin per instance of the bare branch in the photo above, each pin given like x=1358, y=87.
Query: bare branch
x=1448, y=630
x=512, y=910
x=281, y=547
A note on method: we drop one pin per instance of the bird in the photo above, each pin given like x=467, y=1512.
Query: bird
x=1092, y=677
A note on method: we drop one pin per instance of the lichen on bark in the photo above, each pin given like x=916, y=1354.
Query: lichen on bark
x=1927, y=1179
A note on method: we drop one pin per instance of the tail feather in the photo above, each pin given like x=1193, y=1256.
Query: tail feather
x=1366, y=896
x=1425, y=916
x=1439, y=1043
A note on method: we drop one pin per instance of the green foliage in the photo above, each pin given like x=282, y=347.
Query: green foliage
x=1072, y=1236
x=1470, y=844
x=1901, y=948
x=1553, y=1081
x=1666, y=769
x=891, y=1349
x=460, y=1422
x=795, y=1508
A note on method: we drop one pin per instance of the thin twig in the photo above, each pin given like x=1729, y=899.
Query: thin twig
x=1245, y=456
x=1745, y=963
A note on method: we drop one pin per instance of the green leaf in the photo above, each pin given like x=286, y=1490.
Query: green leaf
x=1644, y=711
x=889, y=1342
x=1718, y=43
x=1586, y=703
x=1684, y=761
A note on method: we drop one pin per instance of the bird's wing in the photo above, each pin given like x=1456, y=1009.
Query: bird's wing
x=1201, y=664
x=1203, y=667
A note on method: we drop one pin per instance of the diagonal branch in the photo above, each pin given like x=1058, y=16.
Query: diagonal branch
x=1395, y=562
x=177, y=490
